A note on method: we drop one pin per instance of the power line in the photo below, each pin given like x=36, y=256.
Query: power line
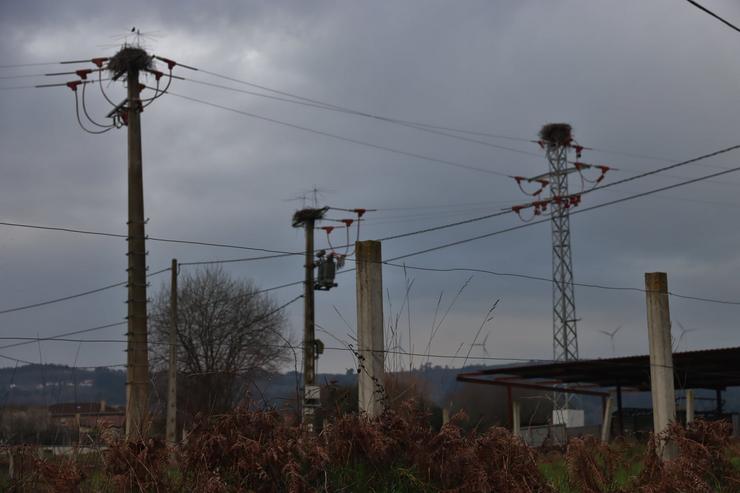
x=235, y=260
x=722, y=20
x=433, y=129
x=669, y=167
x=549, y=280
x=340, y=137
x=65, y=334
x=150, y=238
x=576, y=211
x=73, y=296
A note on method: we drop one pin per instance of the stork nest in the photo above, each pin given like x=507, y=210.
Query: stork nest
x=557, y=133
x=129, y=57
x=302, y=216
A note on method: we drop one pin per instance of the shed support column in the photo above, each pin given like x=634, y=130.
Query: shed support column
x=606, y=425
x=516, y=427
x=510, y=406
x=719, y=402
x=689, y=406
x=620, y=411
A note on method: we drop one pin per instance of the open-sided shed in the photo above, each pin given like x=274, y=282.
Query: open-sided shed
x=714, y=369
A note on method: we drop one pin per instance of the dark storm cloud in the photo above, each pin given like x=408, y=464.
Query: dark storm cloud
x=627, y=77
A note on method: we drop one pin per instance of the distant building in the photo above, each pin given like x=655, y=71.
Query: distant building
x=87, y=416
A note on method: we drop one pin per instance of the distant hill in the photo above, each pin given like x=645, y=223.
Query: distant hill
x=51, y=384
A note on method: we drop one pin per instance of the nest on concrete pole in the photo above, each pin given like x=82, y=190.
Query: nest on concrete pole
x=127, y=58
x=558, y=134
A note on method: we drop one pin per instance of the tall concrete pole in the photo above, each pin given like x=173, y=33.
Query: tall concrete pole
x=309, y=330
x=370, y=327
x=307, y=218
x=661, y=357
x=171, y=433
x=137, y=394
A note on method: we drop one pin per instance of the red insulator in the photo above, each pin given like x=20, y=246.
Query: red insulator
x=141, y=87
x=73, y=85
x=518, y=208
x=348, y=222
x=579, y=150
x=99, y=61
x=328, y=229
x=543, y=182
x=579, y=165
x=157, y=74
x=541, y=143
x=603, y=168
x=83, y=73
x=170, y=63
x=519, y=179
x=360, y=212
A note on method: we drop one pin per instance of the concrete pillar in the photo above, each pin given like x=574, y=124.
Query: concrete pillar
x=516, y=414
x=606, y=425
x=371, y=348
x=689, y=406
x=661, y=357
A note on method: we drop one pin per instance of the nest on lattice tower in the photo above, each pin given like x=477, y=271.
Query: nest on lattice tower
x=129, y=57
x=557, y=133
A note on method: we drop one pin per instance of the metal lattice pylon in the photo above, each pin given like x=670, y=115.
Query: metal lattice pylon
x=565, y=338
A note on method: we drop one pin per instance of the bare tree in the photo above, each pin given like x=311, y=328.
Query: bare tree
x=227, y=333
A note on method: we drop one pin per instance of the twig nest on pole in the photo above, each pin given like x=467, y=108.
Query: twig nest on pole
x=302, y=216
x=557, y=133
x=129, y=57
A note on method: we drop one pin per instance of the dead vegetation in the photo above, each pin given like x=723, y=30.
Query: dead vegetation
x=262, y=451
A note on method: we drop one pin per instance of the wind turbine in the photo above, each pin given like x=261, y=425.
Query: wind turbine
x=482, y=344
x=611, y=336
x=684, y=331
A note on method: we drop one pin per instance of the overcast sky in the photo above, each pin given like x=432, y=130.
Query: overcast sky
x=650, y=82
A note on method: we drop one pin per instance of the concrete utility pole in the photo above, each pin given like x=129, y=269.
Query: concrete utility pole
x=371, y=347
x=137, y=383
x=661, y=357
x=307, y=219
x=171, y=433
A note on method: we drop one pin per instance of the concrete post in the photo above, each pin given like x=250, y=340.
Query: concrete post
x=137, y=358
x=661, y=357
x=370, y=327
x=516, y=410
x=445, y=415
x=171, y=425
x=606, y=424
x=689, y=406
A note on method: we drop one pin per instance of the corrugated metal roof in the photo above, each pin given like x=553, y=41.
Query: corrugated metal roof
x=707, y=368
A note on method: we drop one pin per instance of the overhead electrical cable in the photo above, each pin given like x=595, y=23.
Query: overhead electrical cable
x=422, y=127
x=149, y=238
x=342, y=138
x=722, y=20
x=575, y=211
x=550, y=280
x=73, y=296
